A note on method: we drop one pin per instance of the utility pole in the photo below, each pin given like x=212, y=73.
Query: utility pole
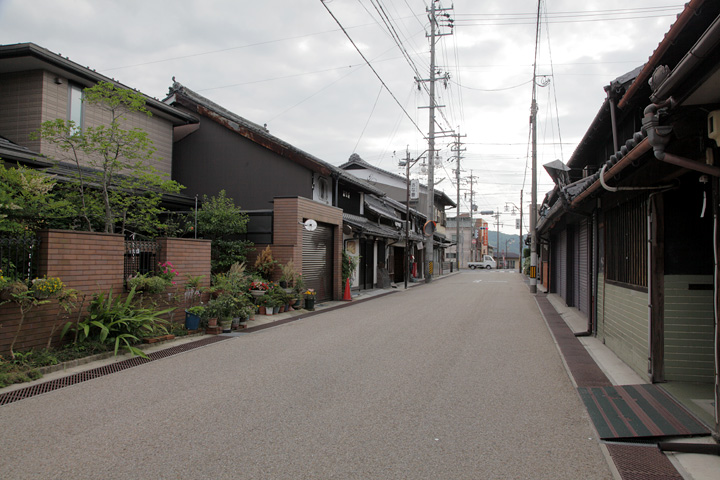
x=497, y=225
x=533, y=204
x=408, y=196
x=473, y=255
x=456, y=148
x=434, y=33
x=520, y=257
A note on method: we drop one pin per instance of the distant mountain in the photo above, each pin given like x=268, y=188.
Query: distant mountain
x=512, y=242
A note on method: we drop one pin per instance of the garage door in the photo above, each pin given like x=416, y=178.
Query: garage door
x=317, y=264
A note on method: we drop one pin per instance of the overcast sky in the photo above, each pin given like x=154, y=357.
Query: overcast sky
x=288, y=64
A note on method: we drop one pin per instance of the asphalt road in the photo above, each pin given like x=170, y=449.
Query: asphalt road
x=458, y=379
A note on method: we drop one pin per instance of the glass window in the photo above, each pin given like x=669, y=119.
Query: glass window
x=75, y=107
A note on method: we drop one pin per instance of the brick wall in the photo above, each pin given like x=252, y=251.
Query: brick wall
x=188, y=256
x=92, y=263
x=288, y=215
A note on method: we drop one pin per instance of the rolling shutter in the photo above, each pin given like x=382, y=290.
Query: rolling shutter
x=583, y=271
x=317, y=263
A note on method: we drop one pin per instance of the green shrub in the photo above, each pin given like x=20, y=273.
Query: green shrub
x=118, y=322
x=147, y=284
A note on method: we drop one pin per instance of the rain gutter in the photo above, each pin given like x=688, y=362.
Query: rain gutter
x=633, y=155
x=697, y=54
x=667, y=42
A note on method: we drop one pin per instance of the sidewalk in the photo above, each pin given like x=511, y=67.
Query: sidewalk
x=689, y=465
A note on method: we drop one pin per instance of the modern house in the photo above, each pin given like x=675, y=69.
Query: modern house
x=629, y=234
x=37, y=85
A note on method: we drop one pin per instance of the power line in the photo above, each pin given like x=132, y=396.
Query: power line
x=372, y=68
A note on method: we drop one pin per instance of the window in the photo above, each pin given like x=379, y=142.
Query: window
x=75, y=107
x=626, y=243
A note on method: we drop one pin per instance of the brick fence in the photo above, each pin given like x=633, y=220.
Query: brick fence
x=91, y=263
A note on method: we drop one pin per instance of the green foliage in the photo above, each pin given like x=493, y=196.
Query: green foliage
x=221, y=221
x=349, y=264
x=265, y=263
x=147, y=284
x=122, y=186
x=118, y=322
x=28, y=201
x=11, y=372
x=223, y=306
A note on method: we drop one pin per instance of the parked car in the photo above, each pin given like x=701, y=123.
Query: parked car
x=487, y=262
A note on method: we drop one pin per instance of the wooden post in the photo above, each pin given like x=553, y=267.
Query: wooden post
x=657, y=289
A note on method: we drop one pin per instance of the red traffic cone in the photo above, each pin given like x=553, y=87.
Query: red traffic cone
x=347, y=295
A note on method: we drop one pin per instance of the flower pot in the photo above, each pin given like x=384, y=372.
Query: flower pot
x=226, y=324
x=257, y=293
x=310, y=303
x=192, y=322
x=212, y=322
x=281, y=309
x=262, y=310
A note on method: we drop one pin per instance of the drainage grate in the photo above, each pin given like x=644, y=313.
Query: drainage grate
x=642, y=463
x=80, y=377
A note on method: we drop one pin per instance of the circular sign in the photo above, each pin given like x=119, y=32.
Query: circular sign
x=429, y=228
x=310, y=225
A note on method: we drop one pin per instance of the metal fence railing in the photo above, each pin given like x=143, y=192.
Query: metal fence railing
x=140, y=257
x=19, y=257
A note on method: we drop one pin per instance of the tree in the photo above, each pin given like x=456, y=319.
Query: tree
x=113, y=168
x=222, y=222
x=28, y=200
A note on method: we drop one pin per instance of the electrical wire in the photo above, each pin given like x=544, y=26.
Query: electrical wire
x=371, y=67
x=368, y=120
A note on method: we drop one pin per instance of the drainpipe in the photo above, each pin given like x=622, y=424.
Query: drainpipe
x=659, y=136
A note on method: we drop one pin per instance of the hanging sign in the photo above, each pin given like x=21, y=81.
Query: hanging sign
x=414, y=189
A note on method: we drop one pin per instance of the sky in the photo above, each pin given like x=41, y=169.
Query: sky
x=338, y=77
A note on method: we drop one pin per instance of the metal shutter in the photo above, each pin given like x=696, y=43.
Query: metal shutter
x=582, y=281
x=317, y=263
x=561, y=259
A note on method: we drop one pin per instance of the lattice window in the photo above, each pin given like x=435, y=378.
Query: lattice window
x=626, y=243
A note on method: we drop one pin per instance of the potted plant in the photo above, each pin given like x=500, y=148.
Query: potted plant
x=193, y=315
x=310, y=299
x=287, y=279
x=258, y=288
x=265, y=263
x=223, y=307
